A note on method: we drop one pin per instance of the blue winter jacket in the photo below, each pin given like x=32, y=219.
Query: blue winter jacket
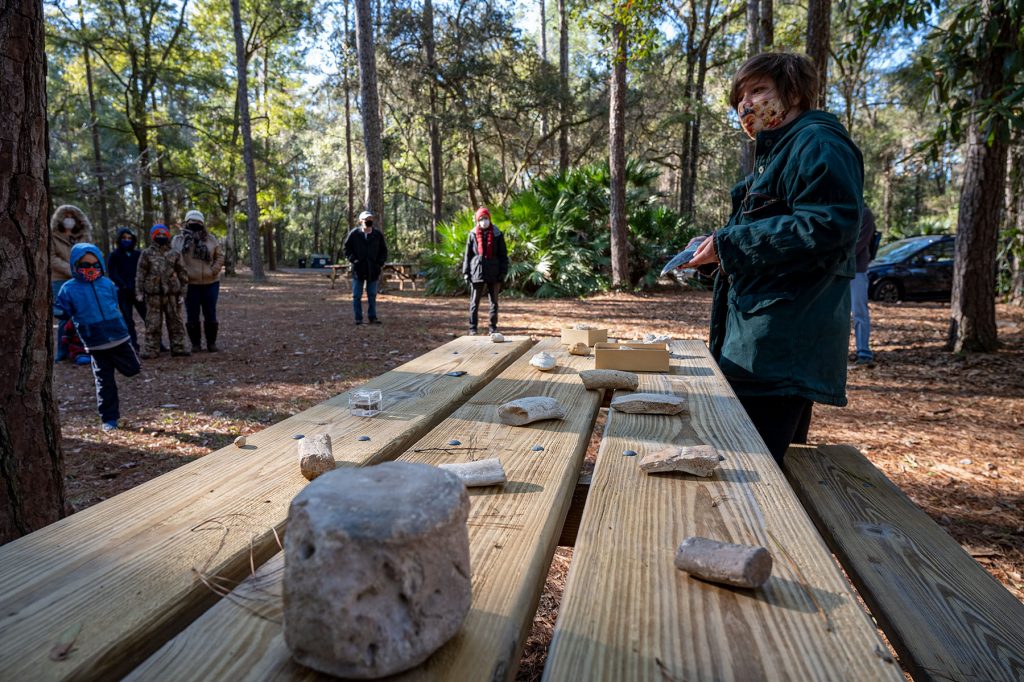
x=92, y=306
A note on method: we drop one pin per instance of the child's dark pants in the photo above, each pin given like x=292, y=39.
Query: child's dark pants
x=104, y=361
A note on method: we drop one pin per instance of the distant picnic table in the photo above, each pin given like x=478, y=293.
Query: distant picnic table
x=397, y=272
x=180, y=577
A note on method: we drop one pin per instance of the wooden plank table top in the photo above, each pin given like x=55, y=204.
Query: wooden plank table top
x=948, y=617
x=628, y=614
x=513, y=533
x=122, y=577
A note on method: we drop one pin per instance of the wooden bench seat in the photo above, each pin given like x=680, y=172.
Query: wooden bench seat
x=513, y=534
x=945, y=615
x=628, y=614
x=122, y=577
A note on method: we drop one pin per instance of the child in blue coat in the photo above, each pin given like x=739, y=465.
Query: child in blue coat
x=90, y=301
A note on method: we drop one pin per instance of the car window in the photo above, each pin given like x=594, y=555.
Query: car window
x=898, y=251
x=943, y=251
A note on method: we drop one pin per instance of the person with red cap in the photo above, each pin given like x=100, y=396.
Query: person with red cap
x=161, y=280
x=484, y=267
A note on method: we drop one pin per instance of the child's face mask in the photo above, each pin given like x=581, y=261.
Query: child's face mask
x=90, y=272
x=68, y=223
x=127, y=244
x=162, y=241
x=761, y=110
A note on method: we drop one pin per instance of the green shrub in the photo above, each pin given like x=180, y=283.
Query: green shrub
x=558, y=236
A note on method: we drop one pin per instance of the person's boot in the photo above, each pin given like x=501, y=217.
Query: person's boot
x=211, y=336
x=195, y=336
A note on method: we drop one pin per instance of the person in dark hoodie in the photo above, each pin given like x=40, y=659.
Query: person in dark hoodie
x=484, y=266
x=89, y=300
x=780, y=318
x=367, y=251
x=122, y=265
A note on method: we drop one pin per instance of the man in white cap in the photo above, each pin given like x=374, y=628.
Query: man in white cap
x=204, y=261
x=367, y=252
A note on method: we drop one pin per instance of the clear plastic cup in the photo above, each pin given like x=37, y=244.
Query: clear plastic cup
x=365, y=403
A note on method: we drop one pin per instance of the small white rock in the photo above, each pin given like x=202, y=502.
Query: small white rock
x=240, y=441
x=545, y=362
x=497, y=338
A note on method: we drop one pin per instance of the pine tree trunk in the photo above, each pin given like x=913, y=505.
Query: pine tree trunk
x=436, y=178
x=543, y=60
x=563, y=89
x=1015, y=220
x=617, y=161
x=31, y=459
x=972, y=326
x=252, y=210
x=351, y=215
x=97, y=158
x=369, y=107
x=819, y=24
x=752, y=42
x=316, y=224
x=766, y=27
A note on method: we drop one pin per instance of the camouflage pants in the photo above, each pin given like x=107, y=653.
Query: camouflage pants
x=159, y=308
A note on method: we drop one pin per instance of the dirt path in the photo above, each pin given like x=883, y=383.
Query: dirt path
x=948, y=430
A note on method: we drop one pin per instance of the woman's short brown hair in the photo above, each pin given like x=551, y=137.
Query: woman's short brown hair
x=796, y=78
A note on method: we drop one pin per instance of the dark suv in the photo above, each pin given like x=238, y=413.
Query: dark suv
x=915, y=268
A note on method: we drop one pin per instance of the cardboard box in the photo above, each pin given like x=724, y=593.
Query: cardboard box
x=632, y=357
x=587, y=336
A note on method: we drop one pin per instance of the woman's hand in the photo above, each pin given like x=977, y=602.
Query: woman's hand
x=705, y=253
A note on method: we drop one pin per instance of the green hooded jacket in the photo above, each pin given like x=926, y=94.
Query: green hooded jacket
x=780, y=318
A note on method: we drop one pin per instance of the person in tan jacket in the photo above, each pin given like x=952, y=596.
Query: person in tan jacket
x=204, y=260
x=68, y=226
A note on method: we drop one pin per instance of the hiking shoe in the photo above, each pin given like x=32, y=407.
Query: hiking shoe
x=492, y=330
x=109, y=426
x=180, y=354
x=865, y=362
x=472, y=331
x=374, y=320
x=148, y=356
x=358, y=322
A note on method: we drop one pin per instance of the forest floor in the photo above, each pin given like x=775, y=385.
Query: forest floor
x=948, y=430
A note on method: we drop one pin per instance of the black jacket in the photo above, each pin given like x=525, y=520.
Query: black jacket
x=479, y=269
x=122, y=265
x=367, y=253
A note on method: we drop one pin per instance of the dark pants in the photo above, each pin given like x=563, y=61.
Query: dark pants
x=121, y=358
x=477, y=293
x=60, y=347
x=127, y=303
x=780, y=420
x=202, y=297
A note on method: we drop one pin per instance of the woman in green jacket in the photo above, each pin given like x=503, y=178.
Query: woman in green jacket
x=780, y=320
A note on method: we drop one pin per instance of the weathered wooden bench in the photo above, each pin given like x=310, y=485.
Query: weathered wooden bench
x=945, y=615
x=117, y=580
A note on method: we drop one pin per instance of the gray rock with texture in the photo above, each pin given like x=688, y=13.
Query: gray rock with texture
x=649, y=403
x=724, y=562
x=699, y=460
x=376, y=571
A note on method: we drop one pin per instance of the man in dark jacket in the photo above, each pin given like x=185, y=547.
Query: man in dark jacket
x=780, y=318
x=484, y=266
x=367, y=252
x=122, y=265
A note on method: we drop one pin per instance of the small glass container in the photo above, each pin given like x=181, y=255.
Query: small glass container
x=365, y=403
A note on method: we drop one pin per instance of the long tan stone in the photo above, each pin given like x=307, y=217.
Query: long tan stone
x=724, y=562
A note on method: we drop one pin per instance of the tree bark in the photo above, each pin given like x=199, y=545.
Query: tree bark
x=31, y=458
x=252, y=209
x=347, y=84
x=1015, y=220
x=766, y=25
x=369, y=107
x=97, y=158
x=617, y=160
x=543, y=60
x=752, y=43
x=819, y=24
x=316, y=224
x=436, y=178
x=563, y=89
x=972, y=326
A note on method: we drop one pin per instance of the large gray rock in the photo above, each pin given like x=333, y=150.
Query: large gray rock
x=649, y=403
x=699, y=460
x=723, y=562
x=376, y=568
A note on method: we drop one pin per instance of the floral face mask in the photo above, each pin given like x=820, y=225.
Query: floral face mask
x=764, y=113
x=90, y=273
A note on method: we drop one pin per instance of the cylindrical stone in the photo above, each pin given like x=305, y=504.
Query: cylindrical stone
x=724, y=562
x=376, y=568
x=315, y=456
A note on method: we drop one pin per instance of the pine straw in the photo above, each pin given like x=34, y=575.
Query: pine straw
x=948, y=430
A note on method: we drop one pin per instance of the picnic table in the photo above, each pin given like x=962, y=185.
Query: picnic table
x=401, y=272
x=180, y=578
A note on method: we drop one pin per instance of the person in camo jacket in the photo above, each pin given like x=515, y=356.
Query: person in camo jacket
x=161, y=280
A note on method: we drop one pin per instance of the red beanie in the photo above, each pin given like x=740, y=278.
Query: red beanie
x=481, y=212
